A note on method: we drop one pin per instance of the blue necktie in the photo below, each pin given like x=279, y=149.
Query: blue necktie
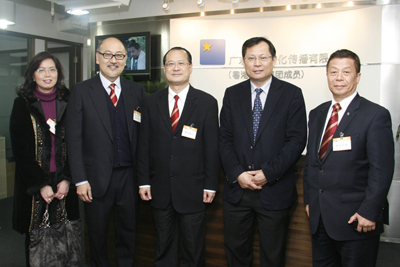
x=257, y=112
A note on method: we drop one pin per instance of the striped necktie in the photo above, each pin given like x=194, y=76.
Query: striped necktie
x=175, y=114
x=113, y=96
x=330, y=130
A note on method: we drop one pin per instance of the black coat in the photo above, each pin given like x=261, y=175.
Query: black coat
x=178, y=168
x=280, y=140
x=31, y=144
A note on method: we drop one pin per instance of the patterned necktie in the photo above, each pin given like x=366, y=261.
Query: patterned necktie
x=330, y=130
x=113, y=96
x=257, y=111
x=175, y=114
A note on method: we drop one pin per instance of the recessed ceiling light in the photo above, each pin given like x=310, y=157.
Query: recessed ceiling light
x=77, y=12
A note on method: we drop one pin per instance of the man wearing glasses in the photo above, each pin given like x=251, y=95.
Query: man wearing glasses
x=262, y=135
x=178, y=162
x=102, y=132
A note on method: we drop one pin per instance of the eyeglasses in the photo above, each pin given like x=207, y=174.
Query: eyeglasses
x=180, y=64
x=261, y=58
x=108, y=55
x=43, y=70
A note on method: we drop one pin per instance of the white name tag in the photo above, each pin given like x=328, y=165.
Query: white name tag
x=137, y=116
x=52, y=124
x=189, y=132
x=341, y=143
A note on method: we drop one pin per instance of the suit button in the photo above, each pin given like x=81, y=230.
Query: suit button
x=249, y=167
x=321, y=170
x=174, y=137
x=251, y=147
x=321, y=190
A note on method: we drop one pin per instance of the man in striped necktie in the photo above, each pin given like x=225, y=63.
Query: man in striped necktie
x=178, y=164
x=349, y=168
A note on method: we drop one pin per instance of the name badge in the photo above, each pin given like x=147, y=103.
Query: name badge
x=137, y=116
x=52, y=124
x=341, y=143
x=189, y=132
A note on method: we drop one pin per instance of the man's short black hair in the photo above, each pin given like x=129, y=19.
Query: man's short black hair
x=344, y=53
x=256, y=40
x=179, y=48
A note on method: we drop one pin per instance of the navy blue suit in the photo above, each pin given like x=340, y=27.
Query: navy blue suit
x=350, y=181
x=280, y=140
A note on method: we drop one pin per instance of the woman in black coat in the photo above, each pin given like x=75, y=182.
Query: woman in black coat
x=37, y=130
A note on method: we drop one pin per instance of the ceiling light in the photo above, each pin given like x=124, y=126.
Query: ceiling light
x=232, y=11
x=350, y=4
x=165, y=6
x=235, y=2
x=319, y=5
x=288, y=7
x=200, y=3
x=77, y=12
x=202, y=14
x=7, y=14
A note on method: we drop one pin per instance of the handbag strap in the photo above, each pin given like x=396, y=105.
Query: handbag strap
x=64, y=216
x=45, y=218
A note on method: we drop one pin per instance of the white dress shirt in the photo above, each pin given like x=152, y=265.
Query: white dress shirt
x=263, y=95
x=344, y=104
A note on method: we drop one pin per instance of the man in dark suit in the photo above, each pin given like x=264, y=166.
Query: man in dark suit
x=178, y=163
x=262, y=135
x=102, y=133
x=349, y=169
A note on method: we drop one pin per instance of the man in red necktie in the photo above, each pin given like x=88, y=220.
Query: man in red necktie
x=178, y=163
x=102, y=134
x=349, y=169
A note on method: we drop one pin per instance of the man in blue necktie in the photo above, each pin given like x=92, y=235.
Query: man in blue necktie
x=263, y=132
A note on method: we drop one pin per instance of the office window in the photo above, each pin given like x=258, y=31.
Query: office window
x=13, y=62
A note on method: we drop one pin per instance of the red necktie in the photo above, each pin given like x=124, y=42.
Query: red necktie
x=175, y=114
x=329, y=131
x=113, y=96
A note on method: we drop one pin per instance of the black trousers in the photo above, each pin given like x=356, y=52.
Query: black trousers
x=239, y=220
x=352, y=253
x=120, y=201
x=192, y=228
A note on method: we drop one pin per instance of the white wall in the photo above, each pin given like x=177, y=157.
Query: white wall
x=308, y=34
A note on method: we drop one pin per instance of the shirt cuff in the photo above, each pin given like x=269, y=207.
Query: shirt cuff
x=81, y=183
x=209, y=190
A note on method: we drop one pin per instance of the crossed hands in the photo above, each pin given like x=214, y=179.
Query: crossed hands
x=253, y=180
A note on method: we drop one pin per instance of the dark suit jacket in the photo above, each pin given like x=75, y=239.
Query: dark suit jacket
x=89, y=133
x=280, y=140
x=179, y=168
x=351, y=181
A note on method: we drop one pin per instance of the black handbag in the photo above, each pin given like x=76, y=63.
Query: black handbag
x=56, y=245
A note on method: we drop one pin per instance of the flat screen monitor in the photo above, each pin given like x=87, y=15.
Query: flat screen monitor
x=138, y=47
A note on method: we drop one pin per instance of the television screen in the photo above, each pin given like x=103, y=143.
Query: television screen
x=138, y=47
